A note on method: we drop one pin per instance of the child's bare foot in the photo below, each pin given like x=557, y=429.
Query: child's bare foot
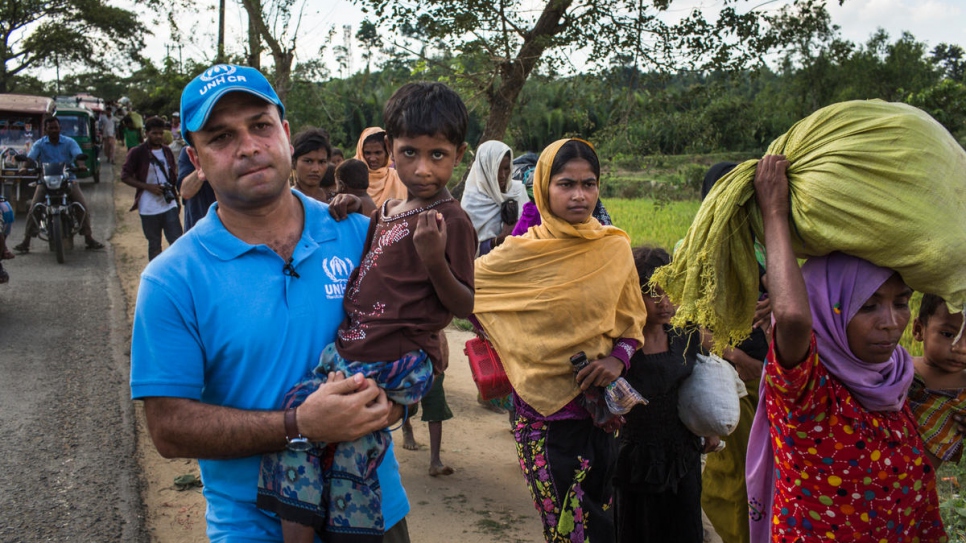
x=438, y=468
x=489, y=406
x=409, y=441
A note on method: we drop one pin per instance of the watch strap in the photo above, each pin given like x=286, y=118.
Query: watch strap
x=292, y=425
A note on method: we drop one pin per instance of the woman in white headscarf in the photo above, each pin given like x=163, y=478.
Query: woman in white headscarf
x=491, y=199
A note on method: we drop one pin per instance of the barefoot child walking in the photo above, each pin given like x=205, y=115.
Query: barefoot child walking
x=416, y=273
x=834, y=453
x=938, y=390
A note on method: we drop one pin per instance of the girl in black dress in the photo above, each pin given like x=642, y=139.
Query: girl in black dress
x=658, y=479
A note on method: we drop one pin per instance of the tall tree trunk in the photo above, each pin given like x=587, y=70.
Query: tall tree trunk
x=514, y=74
x=221, y=32
x=283, y=57
x=254, y=44
x=283, y=72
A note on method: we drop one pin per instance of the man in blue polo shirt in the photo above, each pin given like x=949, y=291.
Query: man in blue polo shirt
x=240, y=308
x=53, y=148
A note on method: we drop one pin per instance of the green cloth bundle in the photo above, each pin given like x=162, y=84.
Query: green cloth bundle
x=878, y=180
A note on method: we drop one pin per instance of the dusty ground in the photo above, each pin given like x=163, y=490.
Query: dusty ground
x=484, y=501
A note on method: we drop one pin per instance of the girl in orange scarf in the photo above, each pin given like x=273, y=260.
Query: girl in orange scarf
x=384, y=184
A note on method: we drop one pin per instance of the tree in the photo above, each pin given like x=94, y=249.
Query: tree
x=43, y=33
x=516, y=38
x=281, y=43
x=951, y=59
x=368, y=35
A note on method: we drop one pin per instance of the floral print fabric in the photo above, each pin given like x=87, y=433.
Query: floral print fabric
x=568, y=466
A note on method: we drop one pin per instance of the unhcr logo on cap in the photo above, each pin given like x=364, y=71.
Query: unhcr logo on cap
x=217, y=71
x=219, y=75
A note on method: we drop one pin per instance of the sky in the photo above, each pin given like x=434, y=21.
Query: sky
x=930, y=21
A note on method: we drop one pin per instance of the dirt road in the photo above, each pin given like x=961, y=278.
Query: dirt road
x=67, y=468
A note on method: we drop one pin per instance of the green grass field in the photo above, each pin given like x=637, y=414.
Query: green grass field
x=651, y=224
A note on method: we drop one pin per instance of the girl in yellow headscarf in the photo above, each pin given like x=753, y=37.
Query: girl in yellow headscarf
x=384, y=184
x=567, y=285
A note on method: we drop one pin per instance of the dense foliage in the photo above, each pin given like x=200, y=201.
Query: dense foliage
x=628, y=113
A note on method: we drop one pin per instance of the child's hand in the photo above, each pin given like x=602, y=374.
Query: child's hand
x=771, y=185
x=343, y=204
x=600, y=372
x=430, y=237
x=763, y=316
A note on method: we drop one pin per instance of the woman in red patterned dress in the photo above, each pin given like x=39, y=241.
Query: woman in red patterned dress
x=834, y=454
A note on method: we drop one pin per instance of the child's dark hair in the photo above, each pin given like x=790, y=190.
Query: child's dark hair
x=353, y=173
x=328, y=178
x=930, y=303
x=311, y=139
x=152, y=123
x=426, y=109
x=575, y=149
x=647, y=260
x=336, y=152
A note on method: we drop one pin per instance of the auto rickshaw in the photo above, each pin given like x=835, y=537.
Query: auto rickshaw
x=79, y=124
x=21, y=123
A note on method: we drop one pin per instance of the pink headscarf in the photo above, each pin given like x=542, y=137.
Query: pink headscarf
x=838, y=285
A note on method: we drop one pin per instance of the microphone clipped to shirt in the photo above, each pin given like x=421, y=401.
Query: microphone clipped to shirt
x=289, y=270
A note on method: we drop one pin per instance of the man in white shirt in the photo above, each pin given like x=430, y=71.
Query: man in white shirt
x=152, y=170
x=106, y=126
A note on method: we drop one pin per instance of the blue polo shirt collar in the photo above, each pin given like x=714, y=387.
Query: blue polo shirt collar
x=319, y=228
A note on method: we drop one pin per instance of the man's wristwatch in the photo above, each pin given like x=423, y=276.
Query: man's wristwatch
x=296, y=441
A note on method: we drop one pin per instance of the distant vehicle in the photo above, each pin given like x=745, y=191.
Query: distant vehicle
x=80, y=124
x=58, y=218
x=21, y=123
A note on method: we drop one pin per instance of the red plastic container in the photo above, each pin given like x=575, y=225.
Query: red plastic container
x=488, y=372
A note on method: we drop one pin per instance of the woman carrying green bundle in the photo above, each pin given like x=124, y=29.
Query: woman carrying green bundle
x=834, y=453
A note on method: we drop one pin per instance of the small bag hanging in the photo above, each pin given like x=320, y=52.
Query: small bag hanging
x=708, y=398
x=487, y=369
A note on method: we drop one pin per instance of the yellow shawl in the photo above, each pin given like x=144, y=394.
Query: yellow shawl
x=384, y=184
x=558, y=289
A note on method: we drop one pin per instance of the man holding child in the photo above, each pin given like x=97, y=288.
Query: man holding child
x=242, y=306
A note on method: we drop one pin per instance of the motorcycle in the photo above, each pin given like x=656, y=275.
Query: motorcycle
x=57, y=217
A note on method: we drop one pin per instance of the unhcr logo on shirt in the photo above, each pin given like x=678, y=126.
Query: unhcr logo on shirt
x=338, y=271
x=219, y=75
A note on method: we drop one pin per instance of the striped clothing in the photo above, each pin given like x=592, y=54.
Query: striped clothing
x=934, y=410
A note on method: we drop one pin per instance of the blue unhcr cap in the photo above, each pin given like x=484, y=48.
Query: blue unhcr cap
x=201, y=95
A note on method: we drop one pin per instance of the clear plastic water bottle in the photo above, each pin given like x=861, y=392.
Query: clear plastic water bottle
x=619, y=395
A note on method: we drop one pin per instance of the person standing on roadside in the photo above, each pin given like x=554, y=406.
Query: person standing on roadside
x=151, y=169
x=106, y=125
x=230, y=316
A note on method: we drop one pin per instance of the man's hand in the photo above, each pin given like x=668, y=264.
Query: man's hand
x=343, y=204
x=153, y=189
x=430, y=237
x=344, y=410
x=600, y=372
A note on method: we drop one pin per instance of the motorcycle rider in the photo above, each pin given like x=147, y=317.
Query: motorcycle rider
x=56, y=148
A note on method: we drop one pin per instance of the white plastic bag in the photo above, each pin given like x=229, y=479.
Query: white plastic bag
x=708, y=399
